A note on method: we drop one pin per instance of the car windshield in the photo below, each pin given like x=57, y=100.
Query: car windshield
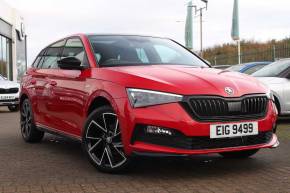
x=254, y=69
x=273, y=70
x=138, y=50
x=236, y=68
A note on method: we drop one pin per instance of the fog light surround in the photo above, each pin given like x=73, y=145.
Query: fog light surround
x=150, y=129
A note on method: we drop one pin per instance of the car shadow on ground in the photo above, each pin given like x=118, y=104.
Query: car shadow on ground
x=284, y=120
x=5, y=110
x=196, y=166
x=57, y=153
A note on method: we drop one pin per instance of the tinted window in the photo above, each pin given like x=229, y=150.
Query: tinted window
x=51, y=55
x=274, y=69
x=139, y=50
x=35, y=63
x=236, y=68
x=38, y=61
x=75, y=48
x=142, y=55
x=253, y=69
x=166, y=54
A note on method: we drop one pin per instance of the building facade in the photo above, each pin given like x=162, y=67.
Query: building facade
x=13, y=52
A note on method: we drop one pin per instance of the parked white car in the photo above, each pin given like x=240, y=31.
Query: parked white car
x=9, y=94
x=277, y=77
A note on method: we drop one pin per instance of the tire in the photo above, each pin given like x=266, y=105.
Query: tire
x=277, y=103
x=239, y=154
x=13, y=108
x=102, y=142
x=28, y=128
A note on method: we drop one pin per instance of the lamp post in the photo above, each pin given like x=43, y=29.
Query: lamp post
x=236, y=28
x=200, y=11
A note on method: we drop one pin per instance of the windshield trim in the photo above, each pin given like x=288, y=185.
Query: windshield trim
x=151, y=64
x=203, y=60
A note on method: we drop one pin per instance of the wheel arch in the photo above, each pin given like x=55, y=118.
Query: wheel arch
x=97, y=102
x=22, y=98
x=98, y=99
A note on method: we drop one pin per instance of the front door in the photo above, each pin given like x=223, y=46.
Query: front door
x=68, y=92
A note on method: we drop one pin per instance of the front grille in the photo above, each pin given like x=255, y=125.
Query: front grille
x=212, y=108
x=180, y=141
x=8, y=90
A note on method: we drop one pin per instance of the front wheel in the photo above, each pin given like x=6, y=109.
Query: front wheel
x=13, y=108
x=102, y=141
x=239, y=154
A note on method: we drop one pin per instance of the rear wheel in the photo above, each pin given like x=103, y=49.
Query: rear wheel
x=28, y=129
x=102, y=141
x=239, y=154
x=13, y=108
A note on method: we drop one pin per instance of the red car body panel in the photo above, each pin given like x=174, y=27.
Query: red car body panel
x=61, y=99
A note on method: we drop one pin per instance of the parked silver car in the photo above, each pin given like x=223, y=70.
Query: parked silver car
x=277, y=77
x=9, y=94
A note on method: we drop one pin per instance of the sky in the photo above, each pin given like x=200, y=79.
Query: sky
x=49, y=20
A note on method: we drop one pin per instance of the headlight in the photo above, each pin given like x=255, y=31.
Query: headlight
x=270, y=95
x=142, y=98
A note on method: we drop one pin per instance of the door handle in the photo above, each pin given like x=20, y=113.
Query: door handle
x=53, y=83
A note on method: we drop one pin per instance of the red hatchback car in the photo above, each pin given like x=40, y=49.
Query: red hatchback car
x=124, y=95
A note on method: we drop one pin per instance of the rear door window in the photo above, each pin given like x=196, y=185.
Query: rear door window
x=38, y=61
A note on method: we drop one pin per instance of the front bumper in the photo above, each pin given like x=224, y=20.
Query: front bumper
x=9, y=99
x=141, y=148
x=175, y=117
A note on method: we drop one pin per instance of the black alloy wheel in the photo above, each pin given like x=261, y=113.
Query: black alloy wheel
x=28, y=129
x=102, y=141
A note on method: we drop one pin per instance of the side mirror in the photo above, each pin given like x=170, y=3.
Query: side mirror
x=70, y=63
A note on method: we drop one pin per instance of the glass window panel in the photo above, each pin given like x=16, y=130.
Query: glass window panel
x=51, y=55
x=4, y=56
x=4, y=49
x=138, y=50
x=75, y=48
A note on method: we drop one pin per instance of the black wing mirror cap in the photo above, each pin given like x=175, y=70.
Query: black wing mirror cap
x=70, y=63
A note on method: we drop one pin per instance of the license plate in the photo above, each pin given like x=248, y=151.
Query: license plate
x=234, y=130
x=7, y=97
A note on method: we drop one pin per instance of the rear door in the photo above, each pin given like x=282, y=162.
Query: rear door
x=47, y=69
x=36, y=85
x=68, y=93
